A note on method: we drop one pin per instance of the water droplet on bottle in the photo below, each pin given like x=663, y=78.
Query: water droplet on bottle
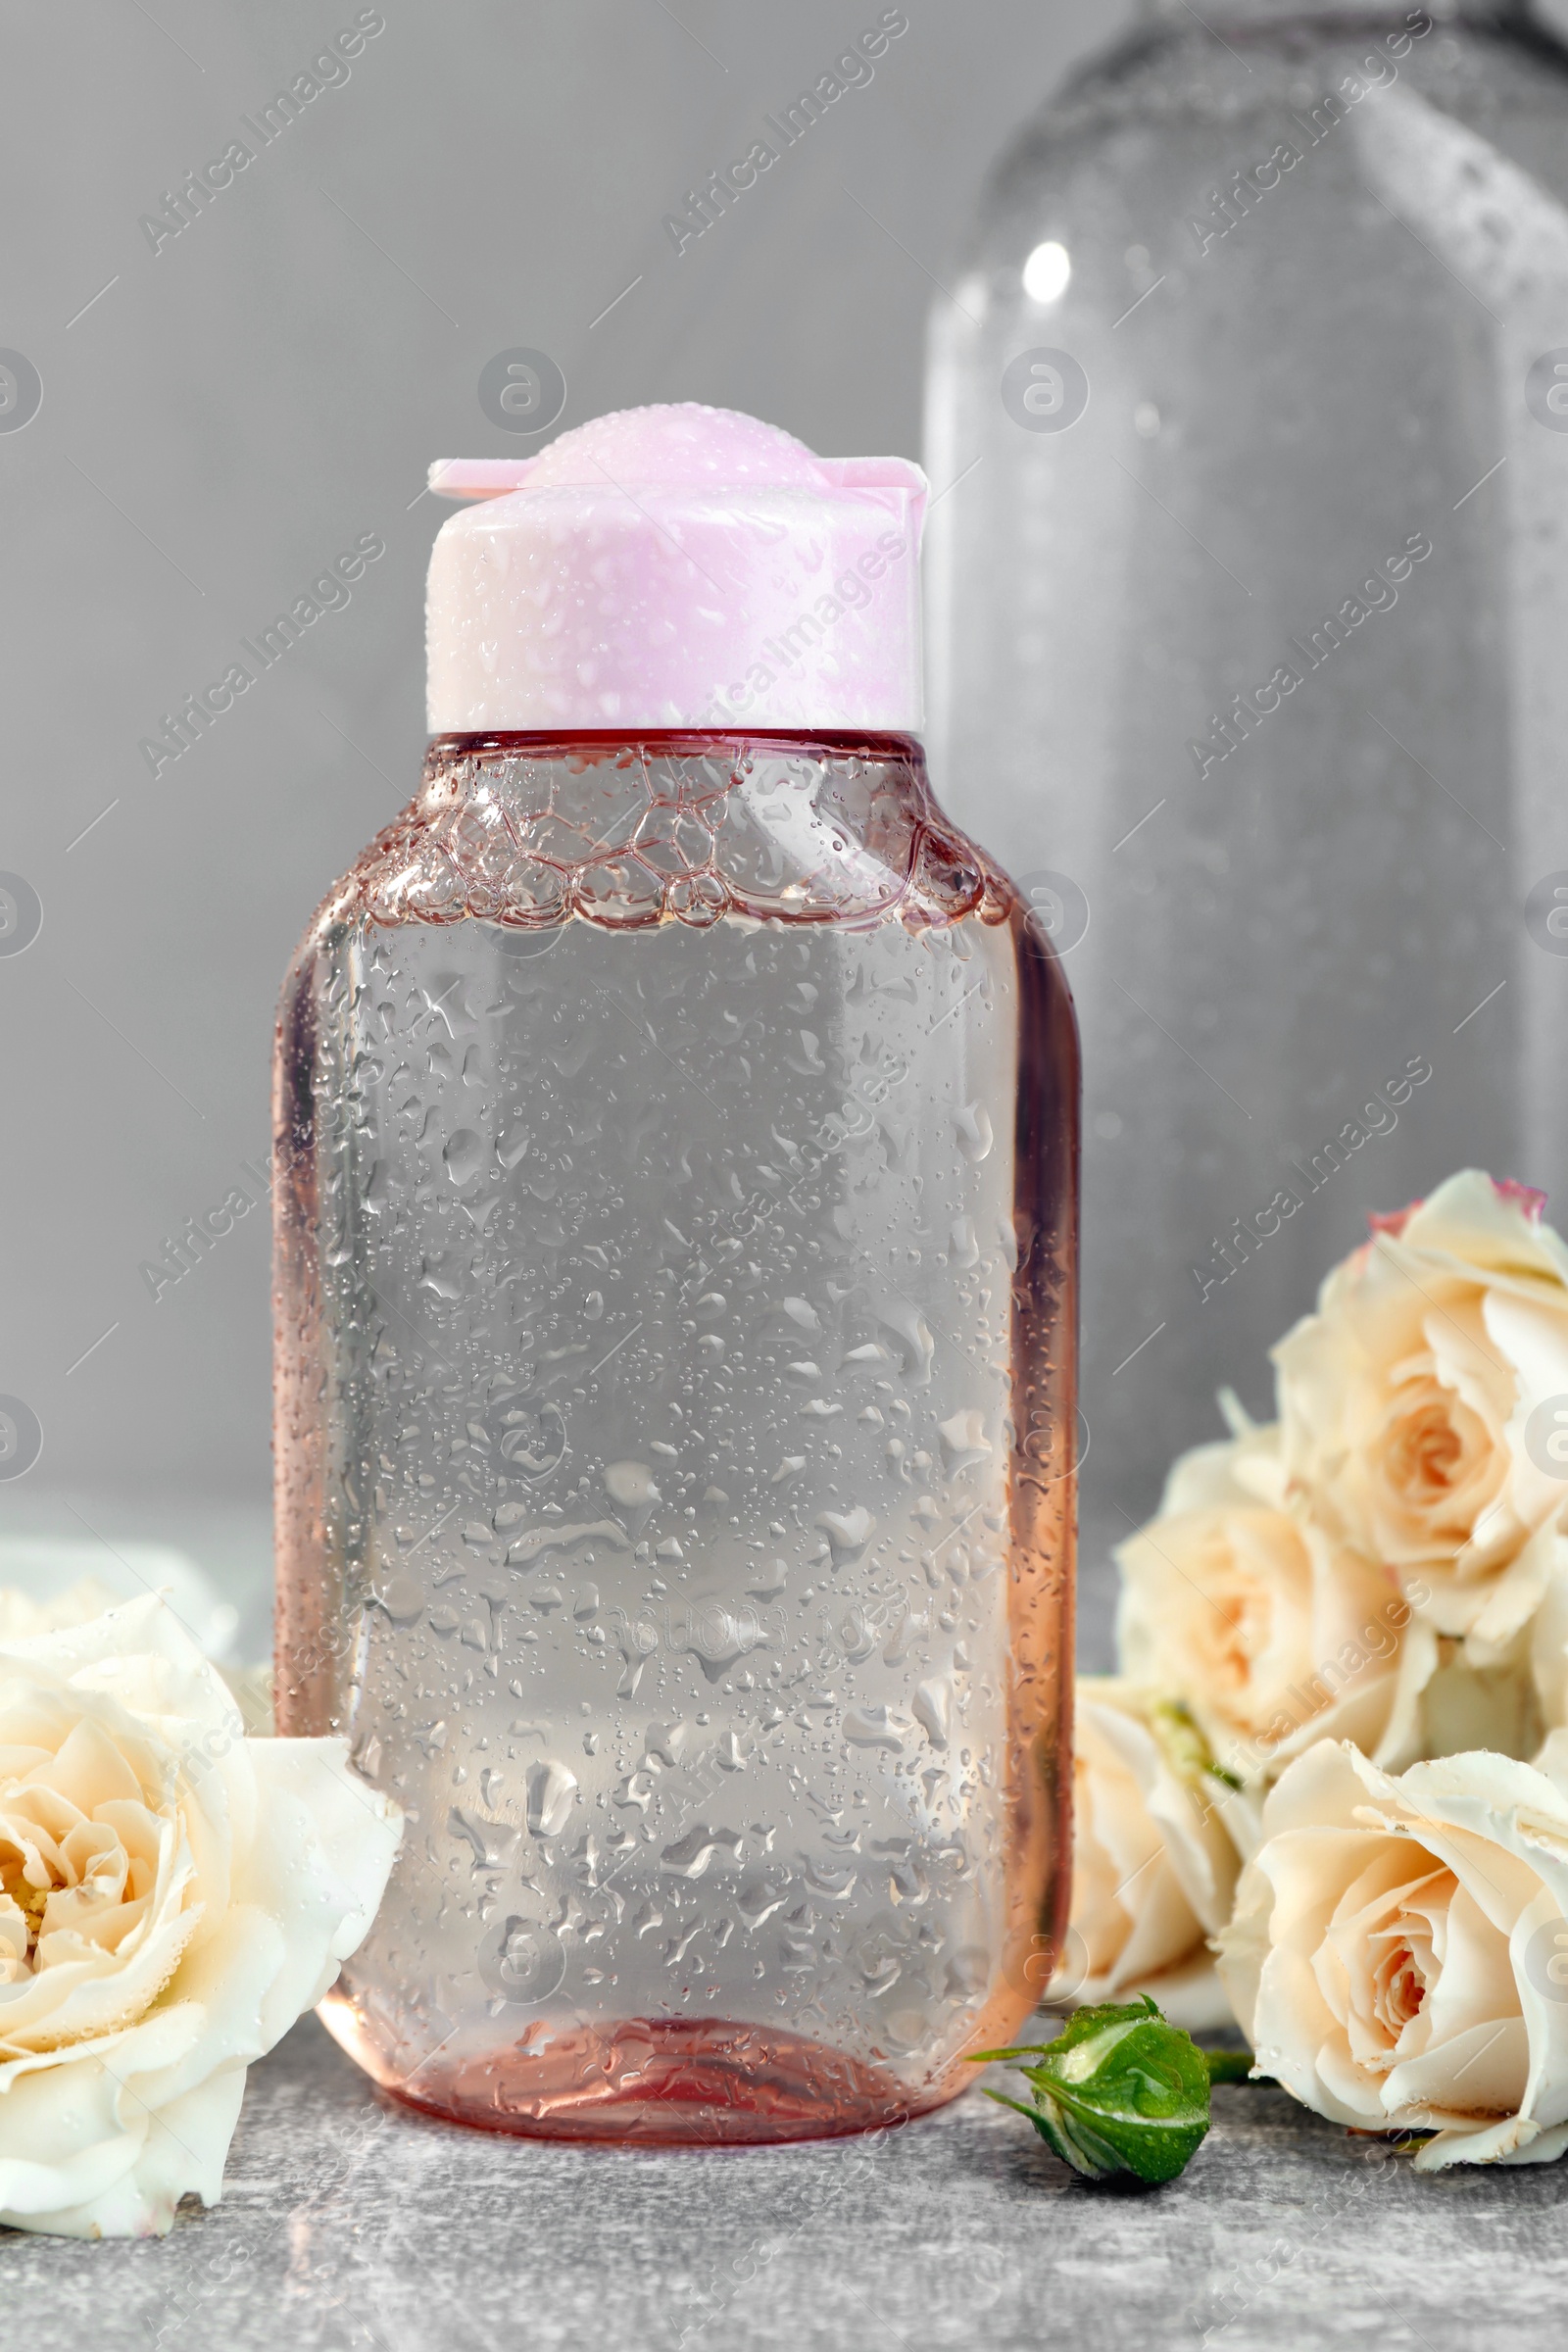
x=932, y=1707
x=973, y=1123
x=463, y=1155
x=909, y=1326
x=631, y=1484
x=847, y=1531
x=872, y=1725
x=522, y=1960
x=689, y=1857
x=552, y=1791
x=963, y=1441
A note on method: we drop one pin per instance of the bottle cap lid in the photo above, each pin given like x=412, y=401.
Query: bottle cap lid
x=671, y=568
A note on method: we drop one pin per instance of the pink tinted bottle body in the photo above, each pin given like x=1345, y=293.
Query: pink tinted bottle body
x=677, y=1233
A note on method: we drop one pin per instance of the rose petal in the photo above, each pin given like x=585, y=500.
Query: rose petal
x=191, y=1893
x=1153, y=1861
x=1484, y=2035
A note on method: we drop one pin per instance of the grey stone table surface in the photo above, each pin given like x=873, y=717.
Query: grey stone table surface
x=348, y=2225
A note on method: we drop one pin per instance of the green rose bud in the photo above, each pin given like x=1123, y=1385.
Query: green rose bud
x=1120, y=2091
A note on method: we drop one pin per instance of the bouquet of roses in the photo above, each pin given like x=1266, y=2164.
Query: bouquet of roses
x=1327, y=1795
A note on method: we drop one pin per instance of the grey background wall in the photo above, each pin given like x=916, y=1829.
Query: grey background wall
x=220, y=417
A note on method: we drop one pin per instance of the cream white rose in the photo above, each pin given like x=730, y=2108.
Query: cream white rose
x=1273, y=1633
x=1155, y=1856
x=173, y=1897
x=1398, y=1952
x=1406, y=1403
x=22, y=1615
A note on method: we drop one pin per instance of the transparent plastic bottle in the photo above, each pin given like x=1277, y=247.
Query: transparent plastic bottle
x=676, y=1141
x=1248, y=616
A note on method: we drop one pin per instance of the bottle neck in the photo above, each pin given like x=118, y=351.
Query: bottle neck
x=528, y=830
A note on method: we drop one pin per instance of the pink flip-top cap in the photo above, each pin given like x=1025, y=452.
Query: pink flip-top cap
x=676, y=566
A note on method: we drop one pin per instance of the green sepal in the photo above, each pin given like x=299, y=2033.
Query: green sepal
x=1082, y=2150
x=1025, y=2049
x=1185, y=1748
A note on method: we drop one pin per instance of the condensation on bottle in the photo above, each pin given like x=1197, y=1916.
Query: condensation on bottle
x=676, y=1228
x=1249, y=599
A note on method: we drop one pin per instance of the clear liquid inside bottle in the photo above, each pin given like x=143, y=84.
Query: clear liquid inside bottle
x=674, y=1433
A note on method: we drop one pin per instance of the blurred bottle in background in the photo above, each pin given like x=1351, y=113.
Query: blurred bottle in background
x=1248, y=435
